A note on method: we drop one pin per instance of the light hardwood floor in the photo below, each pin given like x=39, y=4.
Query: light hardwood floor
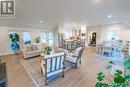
x=84, y=76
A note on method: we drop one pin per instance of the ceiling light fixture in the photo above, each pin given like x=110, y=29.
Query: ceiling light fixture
x=41, y=21
x=113, y=22
x=96, y=0
x=109, y=16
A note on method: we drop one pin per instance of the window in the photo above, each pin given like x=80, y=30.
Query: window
x=116, y=35
x=47, y=37
x=50, y=38
x=26, y=38
x=66, y=35
x=14, y=40
x=43, y=37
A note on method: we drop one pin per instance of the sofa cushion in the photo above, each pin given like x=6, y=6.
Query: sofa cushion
x=39, y=45
x=34, y=48
x=29, y=48
x=31, y=52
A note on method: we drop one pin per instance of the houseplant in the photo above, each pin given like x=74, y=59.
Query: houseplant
x=14, y=38
x=120, y=78
x=37, y=40
x=47, y=50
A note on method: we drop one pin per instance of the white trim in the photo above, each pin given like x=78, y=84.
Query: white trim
x=6, y=53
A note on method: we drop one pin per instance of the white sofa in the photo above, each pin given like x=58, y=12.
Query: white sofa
x=32, y=50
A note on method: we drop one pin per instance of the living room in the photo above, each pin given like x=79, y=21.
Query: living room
x=64, y=43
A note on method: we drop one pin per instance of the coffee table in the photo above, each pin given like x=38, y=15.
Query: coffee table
x=55, y=50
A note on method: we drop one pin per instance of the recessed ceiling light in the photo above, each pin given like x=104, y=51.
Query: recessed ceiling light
x=41, y=21
x=109, y=16
x=113, y=22
x=96, y=0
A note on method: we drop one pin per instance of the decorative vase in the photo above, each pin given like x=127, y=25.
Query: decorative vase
x=17, y=52
x=48, y=53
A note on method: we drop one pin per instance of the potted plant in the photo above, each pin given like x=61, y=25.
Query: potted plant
x=37, y=40
x=120, y=78
x=14, y=38
x=47, y=50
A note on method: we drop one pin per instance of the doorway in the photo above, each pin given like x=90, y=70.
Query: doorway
x=92, y=39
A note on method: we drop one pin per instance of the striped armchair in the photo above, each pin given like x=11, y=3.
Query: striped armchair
x=76, y=57
x=52, y=65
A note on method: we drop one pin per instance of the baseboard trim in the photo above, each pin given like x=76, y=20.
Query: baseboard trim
x=6, y=53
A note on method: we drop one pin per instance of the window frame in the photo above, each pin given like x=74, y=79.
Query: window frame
x=47, y=36
x=23, y=36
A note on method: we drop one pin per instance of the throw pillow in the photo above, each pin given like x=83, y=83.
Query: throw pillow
x=34, y=47
x=29, y=47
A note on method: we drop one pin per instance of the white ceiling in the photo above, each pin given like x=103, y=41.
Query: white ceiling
x=54, y=12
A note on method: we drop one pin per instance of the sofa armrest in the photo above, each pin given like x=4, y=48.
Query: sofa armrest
x=24, y=52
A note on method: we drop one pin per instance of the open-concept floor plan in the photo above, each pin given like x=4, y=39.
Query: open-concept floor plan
x=64, y=43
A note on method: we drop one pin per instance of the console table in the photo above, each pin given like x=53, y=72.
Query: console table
x=3, y=80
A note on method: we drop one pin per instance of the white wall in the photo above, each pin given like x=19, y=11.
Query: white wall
x=103, y=30
x=56, y=36
x=125, y=35
x=4, y=43
x=91, y=29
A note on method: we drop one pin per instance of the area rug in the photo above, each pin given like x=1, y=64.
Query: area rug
x=32, y=67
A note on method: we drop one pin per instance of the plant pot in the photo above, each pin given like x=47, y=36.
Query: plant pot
x=48, y=53
x=17, y=52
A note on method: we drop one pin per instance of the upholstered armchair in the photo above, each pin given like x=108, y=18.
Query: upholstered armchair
x=76, y=57
x=53, y=65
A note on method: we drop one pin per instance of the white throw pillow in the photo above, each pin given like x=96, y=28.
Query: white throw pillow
x=34, y=48
x=29, y=48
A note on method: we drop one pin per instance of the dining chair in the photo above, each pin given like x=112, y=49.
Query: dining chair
x=108, y=50
x=53, y=65
x=76, y=57
x=99, y=49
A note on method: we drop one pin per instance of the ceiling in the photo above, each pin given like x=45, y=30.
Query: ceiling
x=54, y=12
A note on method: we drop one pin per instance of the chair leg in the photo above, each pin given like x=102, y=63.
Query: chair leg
x=76, y=66
x=63, y=74
x=46, y=82
x=41, y=70
x=80, y=61
x=103, y=53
